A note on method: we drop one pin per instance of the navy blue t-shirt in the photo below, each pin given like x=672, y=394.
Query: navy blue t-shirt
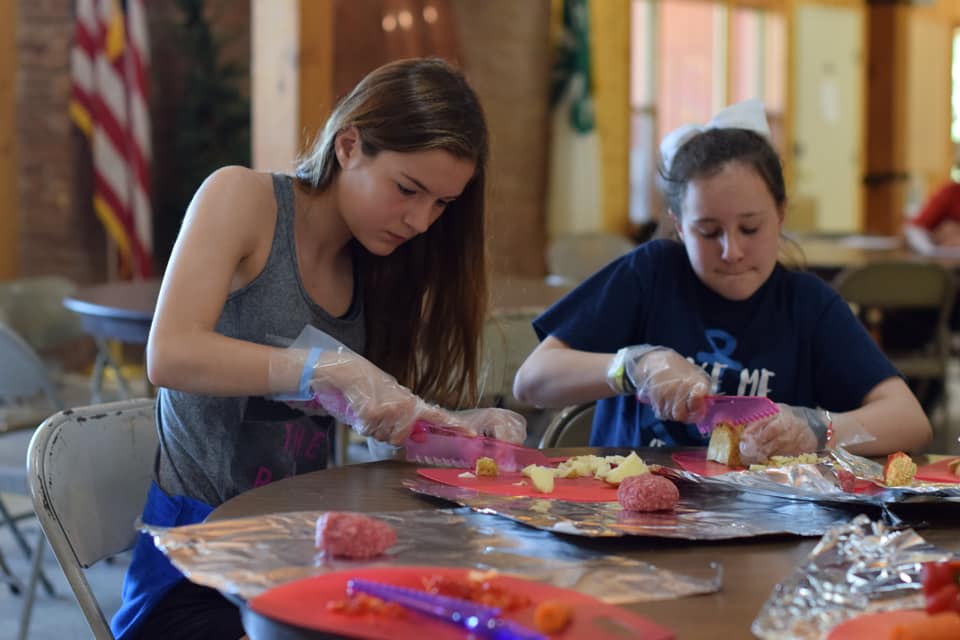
x=795, y=340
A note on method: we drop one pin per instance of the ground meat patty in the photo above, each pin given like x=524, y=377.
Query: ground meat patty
x=351, y=535
x=648, y=492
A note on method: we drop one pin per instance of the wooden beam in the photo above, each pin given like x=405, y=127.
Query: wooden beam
x=610, y=66
x=274, y=78
x=9, y=169
x=316, y=95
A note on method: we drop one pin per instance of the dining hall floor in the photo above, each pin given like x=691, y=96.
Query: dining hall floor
x=59, y=618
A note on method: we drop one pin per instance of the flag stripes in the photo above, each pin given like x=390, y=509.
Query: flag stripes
x=109, y=91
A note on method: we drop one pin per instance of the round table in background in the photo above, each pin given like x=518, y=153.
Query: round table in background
x=121, y=310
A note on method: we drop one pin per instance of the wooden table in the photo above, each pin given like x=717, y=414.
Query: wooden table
x=121, y=311
x=116, y=310
x=751, y=567
x=829, y=255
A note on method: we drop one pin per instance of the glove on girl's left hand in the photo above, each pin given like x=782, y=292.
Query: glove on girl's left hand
x=792, y=431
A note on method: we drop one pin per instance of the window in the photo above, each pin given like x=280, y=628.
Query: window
x=684, y=68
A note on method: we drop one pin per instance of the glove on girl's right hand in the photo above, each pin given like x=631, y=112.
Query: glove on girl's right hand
x=673, y=386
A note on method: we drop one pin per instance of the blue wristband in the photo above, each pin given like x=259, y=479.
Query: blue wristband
x=312, y=356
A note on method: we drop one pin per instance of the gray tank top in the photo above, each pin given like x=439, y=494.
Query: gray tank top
x=212, y=448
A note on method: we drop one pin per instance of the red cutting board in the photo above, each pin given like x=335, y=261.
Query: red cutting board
x=938, y=472
x=875, y=625
x=303, y=604
x=571, y=489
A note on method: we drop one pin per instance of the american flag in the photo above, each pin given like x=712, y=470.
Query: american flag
x=109, y=63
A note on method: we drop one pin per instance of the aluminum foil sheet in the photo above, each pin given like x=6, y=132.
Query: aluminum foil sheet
x=857, y=568
x=704, y=513
x=247, y=556
x=820, y=482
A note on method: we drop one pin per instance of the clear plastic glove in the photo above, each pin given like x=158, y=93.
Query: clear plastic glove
x=796, y=430
x=792, y=431
x=356, y=392
x=502, y=424
x=668, y=382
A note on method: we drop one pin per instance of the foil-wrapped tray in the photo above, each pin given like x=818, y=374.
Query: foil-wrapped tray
x=822, y=482
x=857, y=568
x=247, y=556
x=705, y=512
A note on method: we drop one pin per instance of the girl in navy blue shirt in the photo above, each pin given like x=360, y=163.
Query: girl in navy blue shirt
x=656, y=331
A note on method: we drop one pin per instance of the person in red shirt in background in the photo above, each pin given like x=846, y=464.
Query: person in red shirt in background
x=940, y=216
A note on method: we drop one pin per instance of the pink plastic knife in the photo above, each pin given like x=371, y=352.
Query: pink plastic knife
x=735, y=410
x=450, y=447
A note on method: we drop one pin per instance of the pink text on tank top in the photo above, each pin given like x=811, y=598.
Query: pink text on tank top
x=295, y=443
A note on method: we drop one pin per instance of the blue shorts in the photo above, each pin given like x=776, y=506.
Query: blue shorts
x=150, y=575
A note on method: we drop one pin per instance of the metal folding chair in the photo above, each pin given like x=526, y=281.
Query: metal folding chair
x=27, y=394
x=89, y=471
x=888, y=293
x=570, y=428
x=508, y=338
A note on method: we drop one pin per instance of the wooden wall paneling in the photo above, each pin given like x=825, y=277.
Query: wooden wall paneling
x=360, y=44
x=610, y=34
x=507, y=57
x=928, y=83
x=369, y=34
x=315, y=70
x=9, y=200
x=788, y=102
x=908, y=110
x=885, y=180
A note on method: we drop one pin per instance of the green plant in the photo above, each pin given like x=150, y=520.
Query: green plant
x=211, y=121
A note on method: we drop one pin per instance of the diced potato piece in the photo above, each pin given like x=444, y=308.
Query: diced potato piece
x=566, y=470
x=602, y=470
x=582, y=469
x=631, y=466
x=542, y=478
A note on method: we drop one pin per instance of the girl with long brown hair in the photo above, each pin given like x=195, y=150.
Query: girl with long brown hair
x=375, y=245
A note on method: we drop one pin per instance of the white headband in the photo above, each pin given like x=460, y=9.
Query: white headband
x=749, y=114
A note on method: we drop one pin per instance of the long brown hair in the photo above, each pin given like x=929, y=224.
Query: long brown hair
x=425, y=303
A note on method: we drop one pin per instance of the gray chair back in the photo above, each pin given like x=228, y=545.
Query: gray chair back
x=33, y=307
x=879, y=288
x=508, y=338
x=89, y=470
x=23, y=376
x=570, y=428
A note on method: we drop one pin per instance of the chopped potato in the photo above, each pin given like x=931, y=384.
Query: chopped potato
x=612, y=469
x=631, y=466
x=602, y=471
x=542, y=478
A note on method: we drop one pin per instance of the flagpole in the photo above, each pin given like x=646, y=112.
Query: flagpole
x=113, y=259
